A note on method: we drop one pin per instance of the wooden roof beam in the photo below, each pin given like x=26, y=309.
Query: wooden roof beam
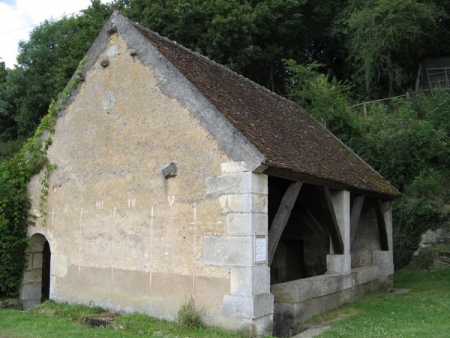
x=355, y=215
x=333, y=227
x=384, y=242
x=282, y=216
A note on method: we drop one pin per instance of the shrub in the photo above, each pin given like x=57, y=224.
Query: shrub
x=187, y=316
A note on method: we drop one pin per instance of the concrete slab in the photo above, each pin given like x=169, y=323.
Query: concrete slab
x=312, y=332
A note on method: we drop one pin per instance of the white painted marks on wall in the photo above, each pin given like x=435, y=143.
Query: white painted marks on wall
x=53, y=216
x=131, y=202
x=171, y=200
x=152, y=216
x=194, y=208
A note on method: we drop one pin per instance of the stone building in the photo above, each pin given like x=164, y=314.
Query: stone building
x=178, y=179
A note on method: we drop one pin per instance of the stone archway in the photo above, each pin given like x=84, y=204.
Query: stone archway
x=36, y=277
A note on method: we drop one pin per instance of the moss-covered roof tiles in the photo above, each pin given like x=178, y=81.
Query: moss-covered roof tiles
x=288, y=137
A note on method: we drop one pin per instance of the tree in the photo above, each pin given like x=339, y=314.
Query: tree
x=45, y=64
x=382, y=34
x=250, y=37
x=325, y=98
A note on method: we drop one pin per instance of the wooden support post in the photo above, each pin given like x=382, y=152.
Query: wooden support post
x=354, y=215
x=333, y=227
x=282, y=216
x=384, y=243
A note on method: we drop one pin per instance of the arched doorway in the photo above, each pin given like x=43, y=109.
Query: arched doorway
x=36, y=277
x=46, y=257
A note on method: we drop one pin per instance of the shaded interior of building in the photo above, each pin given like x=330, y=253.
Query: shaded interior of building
x=306, y=239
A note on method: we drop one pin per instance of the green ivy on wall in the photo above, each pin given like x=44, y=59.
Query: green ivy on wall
x=15, y=174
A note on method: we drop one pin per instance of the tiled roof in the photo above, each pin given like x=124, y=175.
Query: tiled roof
x=287, y=136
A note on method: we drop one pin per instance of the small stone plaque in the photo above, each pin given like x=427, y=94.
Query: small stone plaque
x=260, y=249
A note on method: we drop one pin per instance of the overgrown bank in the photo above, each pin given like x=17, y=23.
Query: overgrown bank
x=15, y=174
x=405, y=140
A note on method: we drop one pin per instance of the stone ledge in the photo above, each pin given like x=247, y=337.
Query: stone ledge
x=234, y=167
x=319, y=286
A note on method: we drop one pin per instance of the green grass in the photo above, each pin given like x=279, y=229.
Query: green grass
x=422, y=312
x=62, y=320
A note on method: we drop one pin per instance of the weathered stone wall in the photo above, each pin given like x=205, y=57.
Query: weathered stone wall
x=123, y=236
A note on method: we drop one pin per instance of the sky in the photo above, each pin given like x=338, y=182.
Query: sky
x=19, y=17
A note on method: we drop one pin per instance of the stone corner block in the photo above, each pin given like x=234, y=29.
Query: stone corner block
x=237, y=183
x=250, y=281
x=244, y=203
x=246, y=224
x=262, y=326
x=248, y=307
x=228, y=251
x=234, y=167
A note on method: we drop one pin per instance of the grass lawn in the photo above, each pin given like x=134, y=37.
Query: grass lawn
x=51, y=320
x=422, y=312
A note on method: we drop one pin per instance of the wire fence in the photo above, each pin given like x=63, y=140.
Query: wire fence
x=408, y=95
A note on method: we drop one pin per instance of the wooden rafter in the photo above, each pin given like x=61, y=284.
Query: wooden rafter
x=282, y=216
x=384, y=243
x=355, y=214
x=333, y=227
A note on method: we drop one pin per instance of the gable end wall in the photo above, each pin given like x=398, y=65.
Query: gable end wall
x=121, y=235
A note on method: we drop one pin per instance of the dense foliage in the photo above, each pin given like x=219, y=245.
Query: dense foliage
x=407, y=141
x=338, y=52
x=47, y=62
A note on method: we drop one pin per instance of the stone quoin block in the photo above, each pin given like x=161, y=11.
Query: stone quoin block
x=237, y=183
x=228, y=251
x=246, y=224
x=234, y=167
x=244, y=203
x=252, y=280
x=248, y=307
